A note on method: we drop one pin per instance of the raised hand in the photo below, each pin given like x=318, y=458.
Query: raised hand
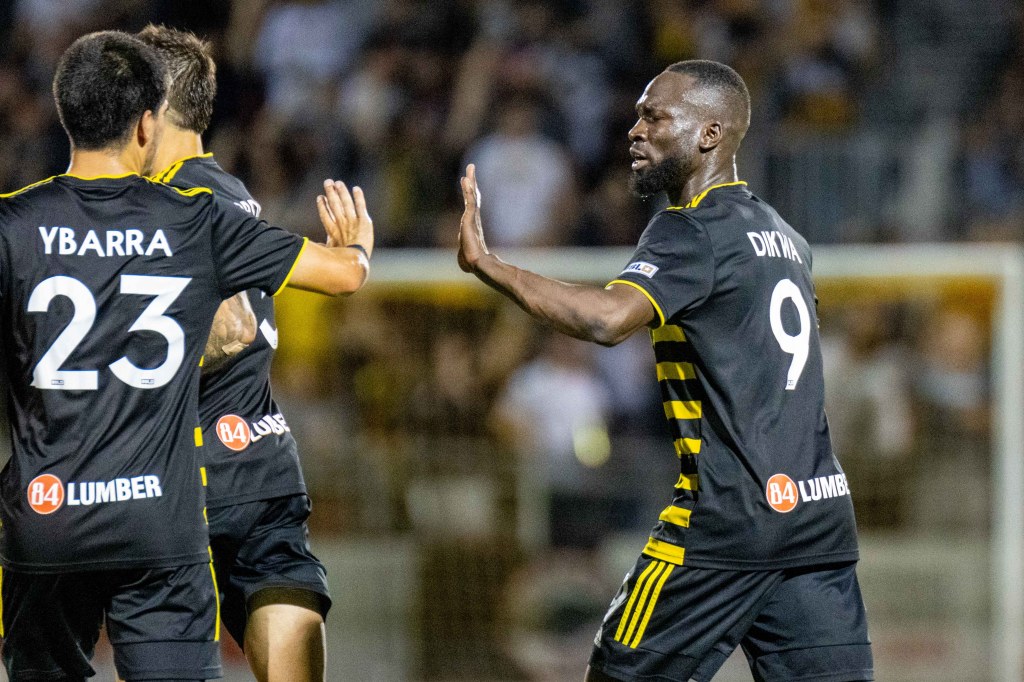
x=344, y=216
x=472, y=246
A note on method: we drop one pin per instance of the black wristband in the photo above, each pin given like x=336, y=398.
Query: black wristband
x=360, y=247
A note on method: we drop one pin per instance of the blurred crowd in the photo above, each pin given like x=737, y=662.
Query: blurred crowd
x=398, y=95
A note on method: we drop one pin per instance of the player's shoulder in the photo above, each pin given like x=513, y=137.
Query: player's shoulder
x=673, y=221
x=204, y=171
x=27, y=190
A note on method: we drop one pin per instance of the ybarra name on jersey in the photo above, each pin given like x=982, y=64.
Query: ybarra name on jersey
x=67, y=241
x=46, y=492
x=236, y=434
x=781, y=490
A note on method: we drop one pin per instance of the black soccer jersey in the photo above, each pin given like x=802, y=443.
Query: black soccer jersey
x=739, y=366
x=108, y=288
x=249, y=450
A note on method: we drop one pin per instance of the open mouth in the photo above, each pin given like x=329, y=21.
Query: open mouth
x=639, y=158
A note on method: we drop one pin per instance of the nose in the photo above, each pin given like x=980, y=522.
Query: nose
x=638, y=132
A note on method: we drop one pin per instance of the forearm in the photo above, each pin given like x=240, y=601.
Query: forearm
x=234, y=328
x=331, y=270
x=580, y=311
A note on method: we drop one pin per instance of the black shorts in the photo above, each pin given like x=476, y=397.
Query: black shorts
x=263, y=547
x=676, y=623
x=162, y=623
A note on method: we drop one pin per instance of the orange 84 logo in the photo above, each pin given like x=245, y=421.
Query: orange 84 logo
x=234, y=432
x=45, y=494
x=782, y=493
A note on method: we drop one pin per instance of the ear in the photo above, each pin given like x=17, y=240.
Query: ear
x=710, y=136
x=146, y=128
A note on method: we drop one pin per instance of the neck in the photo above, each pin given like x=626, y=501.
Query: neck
x=702, y=179
x=95, y=163
x=175, y=145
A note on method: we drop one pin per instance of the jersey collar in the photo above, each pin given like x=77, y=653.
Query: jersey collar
x=694, y=202
x=167, y=173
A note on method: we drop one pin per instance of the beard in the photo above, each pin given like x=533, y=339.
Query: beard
x=667, y=175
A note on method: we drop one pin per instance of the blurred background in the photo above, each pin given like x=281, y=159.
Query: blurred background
x=480, y=484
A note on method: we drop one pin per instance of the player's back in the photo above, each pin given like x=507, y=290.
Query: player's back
x=107, y=290
x=740, y=371
x=249, y=450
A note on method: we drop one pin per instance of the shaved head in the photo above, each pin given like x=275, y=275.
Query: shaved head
x=720, y=91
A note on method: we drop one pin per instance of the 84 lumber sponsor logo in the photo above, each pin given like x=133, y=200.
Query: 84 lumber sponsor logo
x=46, y=492
x=783, y=493
x=236, y=433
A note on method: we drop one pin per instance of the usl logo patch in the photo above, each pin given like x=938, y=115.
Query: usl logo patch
x=641, y=268
x=234, y=432
x=782, y=493
x=45, y=494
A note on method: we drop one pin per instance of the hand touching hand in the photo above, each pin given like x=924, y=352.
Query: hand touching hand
x=471, y=231
x=344, y=216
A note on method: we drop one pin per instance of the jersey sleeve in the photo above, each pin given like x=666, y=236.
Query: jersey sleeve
x=673, y=264
x=249, y=253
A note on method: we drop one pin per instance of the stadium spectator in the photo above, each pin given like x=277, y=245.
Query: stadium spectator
x=529, y=173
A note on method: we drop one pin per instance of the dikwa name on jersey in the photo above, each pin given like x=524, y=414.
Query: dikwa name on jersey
x=129, y=242
x=775, y=244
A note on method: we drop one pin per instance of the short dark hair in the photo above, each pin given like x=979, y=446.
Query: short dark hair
x=104, y=83
x=717, y=76
x=193, y=75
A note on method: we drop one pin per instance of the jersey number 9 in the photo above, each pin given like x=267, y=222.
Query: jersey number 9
x=796, y=345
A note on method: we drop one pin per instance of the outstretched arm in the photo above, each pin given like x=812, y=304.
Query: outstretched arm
x=342, y=265
x=234, y=328
x=605, y=316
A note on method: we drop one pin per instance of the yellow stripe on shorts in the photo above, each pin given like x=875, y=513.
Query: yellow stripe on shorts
x=632, y=600
x=641, y=603
x=216, y=595
x=650, y=606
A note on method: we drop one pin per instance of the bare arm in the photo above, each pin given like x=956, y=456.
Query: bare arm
x=606, y=316
x=234, y=328
x=340, y=267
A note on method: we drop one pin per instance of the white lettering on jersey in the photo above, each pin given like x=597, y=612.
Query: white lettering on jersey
x=641, y=268
x=781, y=492
x=269, y=332
x=48, y=237
x=269, y=424
x=117, y=242
x=87, y=493
x=159, y=242
x=250, y=206
x=773, y=244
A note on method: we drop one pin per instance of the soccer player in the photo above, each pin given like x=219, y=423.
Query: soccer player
x=275, y=595
x=109, y=283
x=758, y=546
